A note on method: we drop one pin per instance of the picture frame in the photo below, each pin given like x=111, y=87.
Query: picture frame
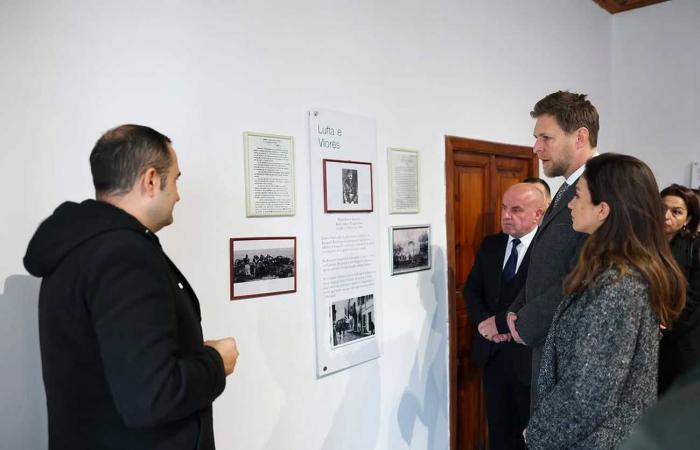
x=409, y=248
x=352, y=320
x=347, y=186
x=262, y=266
x=269, y=175
x=403, y=167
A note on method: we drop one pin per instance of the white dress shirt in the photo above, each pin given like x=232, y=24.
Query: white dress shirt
x=578, y=172
x=522, y=248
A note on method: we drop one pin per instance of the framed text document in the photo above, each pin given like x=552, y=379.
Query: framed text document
x=404, y=181
x=269, y=175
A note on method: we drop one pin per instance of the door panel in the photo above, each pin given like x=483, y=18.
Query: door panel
x=509, y=171
x=472, y=212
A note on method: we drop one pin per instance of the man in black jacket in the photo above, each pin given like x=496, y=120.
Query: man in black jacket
x=498, y=274
x=123, y=358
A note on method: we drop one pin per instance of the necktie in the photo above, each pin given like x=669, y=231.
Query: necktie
x=559, y=194
x=511, y=264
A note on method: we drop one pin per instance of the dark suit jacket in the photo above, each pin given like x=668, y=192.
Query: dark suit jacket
x=483, y=299
x=554, y=253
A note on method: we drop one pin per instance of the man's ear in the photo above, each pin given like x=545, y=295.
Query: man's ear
x=538, y=214
x=582, y=136
x=149, y=182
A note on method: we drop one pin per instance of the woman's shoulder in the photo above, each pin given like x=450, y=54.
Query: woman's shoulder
x=619, y=281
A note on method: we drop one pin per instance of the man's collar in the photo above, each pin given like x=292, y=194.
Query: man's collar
x=577, y=173
x=526, y=239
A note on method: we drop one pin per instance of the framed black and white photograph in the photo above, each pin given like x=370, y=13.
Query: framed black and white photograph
x=352, y=320
x=347, y=186
x=263, y=266
x=410, y=248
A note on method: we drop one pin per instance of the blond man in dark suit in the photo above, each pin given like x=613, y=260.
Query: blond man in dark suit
x=566, y=135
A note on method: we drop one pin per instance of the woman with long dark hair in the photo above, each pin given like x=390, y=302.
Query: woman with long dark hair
x=680, y=346
x=599, y=365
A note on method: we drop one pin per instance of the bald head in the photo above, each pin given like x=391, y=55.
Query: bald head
x=542, y=185
x=522, y=209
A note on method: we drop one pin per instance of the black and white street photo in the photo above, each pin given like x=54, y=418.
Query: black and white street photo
x=262, y=266
x=410, y=248
x=352, y=319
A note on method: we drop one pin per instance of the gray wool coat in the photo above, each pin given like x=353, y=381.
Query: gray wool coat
x=599, y=366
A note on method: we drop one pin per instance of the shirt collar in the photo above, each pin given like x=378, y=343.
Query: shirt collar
x=525, y=240
x=577, y=173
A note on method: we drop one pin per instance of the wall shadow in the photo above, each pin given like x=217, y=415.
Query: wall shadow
x=426, y=395
x=356, y=418
x=357, y=421
x=22, y=397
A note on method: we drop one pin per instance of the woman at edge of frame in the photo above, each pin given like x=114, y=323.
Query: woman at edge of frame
x=680, y=346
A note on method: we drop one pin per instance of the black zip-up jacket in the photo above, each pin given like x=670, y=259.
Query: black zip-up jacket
x=122, y=352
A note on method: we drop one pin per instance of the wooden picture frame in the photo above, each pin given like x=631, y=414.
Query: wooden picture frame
x=347, y=186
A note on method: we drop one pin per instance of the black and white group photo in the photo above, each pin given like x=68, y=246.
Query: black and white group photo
x=352, y=319
x=410, y=248
x=262, y=266
x=273, y=263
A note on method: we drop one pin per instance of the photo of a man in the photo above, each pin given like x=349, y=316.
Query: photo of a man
x=349, y=186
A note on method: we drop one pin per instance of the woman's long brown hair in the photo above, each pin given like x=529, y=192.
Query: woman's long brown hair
x=631, y=236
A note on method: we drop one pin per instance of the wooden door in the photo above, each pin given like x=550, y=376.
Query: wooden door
x=477, y=173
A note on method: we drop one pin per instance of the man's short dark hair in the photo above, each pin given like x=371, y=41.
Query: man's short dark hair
x=537, y=180
x=123, y=154
x=572, y=111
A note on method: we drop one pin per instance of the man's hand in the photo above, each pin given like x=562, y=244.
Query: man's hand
x=487, y=328
x=228, y=350
x=511, y=318
x=503, y=337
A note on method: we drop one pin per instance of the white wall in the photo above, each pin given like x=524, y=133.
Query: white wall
x=655, y=85
x=204, y=72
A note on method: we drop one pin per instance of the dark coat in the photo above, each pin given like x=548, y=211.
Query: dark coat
x=554, y=253
x=598, y=369
x=483, y=299
x=673, y=422
x=680, y=346
x=123, y=359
